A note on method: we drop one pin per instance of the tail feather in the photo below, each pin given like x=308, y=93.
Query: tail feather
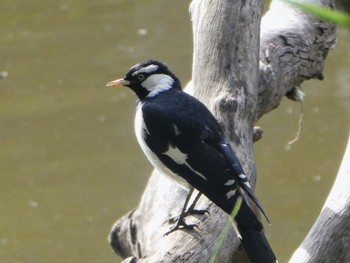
x=253, y=238
x=256, y=246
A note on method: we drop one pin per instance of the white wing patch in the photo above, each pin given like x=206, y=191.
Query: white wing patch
x=230, y=193
x=141, y=130
x=242, y=176
x=176, y=129
x=244, y=180
x=181, y=158
x=177, y=156
x=247, y=184
x=148, y=69
x=230, y=182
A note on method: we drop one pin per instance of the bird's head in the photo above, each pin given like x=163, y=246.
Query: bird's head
x=147, y=79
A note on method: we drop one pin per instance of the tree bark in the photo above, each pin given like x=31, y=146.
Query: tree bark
x=239, y=79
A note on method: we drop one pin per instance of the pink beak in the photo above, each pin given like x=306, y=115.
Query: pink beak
x=118, y=82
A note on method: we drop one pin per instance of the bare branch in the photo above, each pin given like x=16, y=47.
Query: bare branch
x=293, y=48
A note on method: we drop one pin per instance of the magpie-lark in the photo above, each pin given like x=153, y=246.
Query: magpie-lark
x=183, y=140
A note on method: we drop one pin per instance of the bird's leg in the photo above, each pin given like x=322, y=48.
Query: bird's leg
x=181, y=223
x=192, y=211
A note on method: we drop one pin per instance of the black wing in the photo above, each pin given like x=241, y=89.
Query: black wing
x=188, y=140
x=185, y=137
x=236, y=168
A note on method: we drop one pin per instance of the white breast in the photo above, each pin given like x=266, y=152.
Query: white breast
x=140, y=131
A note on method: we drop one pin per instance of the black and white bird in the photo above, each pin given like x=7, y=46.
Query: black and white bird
x=184, y=141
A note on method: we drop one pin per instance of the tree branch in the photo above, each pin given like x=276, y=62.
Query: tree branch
x=226, y=72
x=294, y=46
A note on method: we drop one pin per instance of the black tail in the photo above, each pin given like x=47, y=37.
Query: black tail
x=253, y=238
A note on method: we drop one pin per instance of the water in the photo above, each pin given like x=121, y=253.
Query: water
x=70, y=164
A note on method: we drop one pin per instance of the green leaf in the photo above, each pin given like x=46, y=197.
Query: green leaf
x=224, y=232
x=336, y=17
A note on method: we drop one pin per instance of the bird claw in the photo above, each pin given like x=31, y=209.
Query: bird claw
x=192, y=211
x=181, y=224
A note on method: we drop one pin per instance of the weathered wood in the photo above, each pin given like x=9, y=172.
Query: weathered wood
x=226, y=74
x=294, y=46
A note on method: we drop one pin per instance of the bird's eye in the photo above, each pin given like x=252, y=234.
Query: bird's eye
x=141, y=77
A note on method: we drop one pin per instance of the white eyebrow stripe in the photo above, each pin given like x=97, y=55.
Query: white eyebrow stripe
x=148, y=69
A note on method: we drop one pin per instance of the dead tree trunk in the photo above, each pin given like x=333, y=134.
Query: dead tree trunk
x=239, y=79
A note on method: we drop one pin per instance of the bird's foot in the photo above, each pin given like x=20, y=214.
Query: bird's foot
x=181, y=224
x=192, y=211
